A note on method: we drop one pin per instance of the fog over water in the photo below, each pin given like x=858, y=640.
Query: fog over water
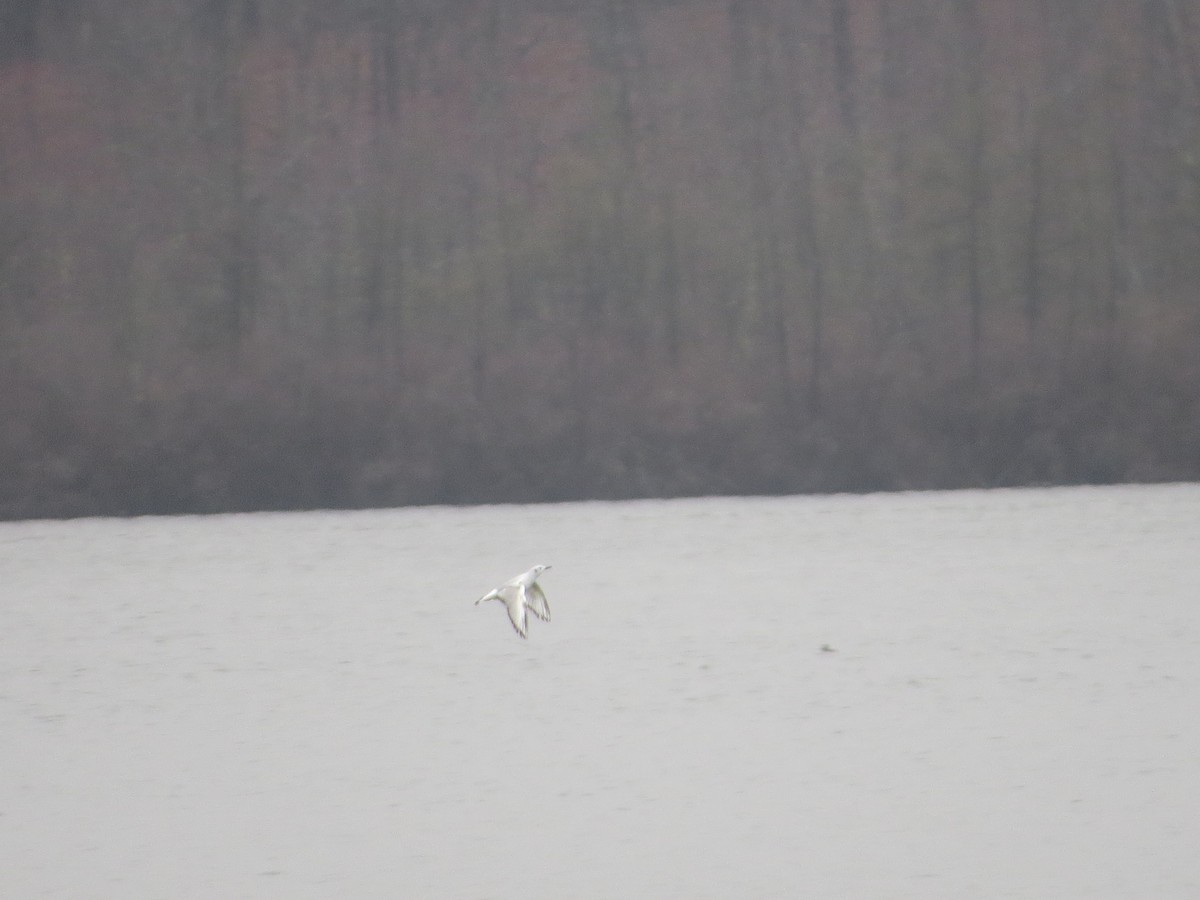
x=308, y=705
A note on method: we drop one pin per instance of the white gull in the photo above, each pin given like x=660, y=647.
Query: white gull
x=520, y=594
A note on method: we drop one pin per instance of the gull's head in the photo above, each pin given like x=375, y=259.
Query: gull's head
x=539, y=569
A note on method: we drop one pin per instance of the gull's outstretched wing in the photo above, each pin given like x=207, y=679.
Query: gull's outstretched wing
x=516, y=613
x=535, y=599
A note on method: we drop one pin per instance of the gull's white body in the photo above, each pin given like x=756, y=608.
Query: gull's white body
x=520, y=594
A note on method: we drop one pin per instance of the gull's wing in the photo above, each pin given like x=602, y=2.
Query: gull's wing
x=516, y=613
x=535, y=599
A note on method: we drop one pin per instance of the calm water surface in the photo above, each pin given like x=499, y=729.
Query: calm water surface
x=309, y=705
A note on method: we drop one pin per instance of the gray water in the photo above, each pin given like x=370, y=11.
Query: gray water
x=309, y=706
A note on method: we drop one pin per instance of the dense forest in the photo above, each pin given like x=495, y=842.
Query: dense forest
x=338, y=253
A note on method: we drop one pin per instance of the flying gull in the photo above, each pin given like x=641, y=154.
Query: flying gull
x=520, y=594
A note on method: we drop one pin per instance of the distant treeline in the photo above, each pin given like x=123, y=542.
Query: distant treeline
x=295, y=253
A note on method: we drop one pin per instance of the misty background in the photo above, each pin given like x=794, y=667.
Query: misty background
x=286, y=253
